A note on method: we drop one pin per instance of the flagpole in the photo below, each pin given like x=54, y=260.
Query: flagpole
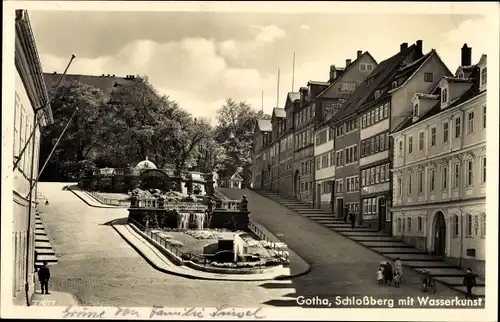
x=293, y=71
x=262, y=101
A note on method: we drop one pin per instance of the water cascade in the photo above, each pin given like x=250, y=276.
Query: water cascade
x=199, y=219
x=183, y=220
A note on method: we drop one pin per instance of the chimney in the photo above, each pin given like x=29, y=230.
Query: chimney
x=55, y=73
x=347, y=62
x=403, y=46
x=333, y=71
x=102, y=75
x=418, y=44
x=109, y=75
x=359, y=53
x=466, y=55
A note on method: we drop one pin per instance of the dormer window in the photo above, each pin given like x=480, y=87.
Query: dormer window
x=394, y=84
x=377, y=94
x=416, y=111
x=461, y=75
x=483, y=76
x=444, y=95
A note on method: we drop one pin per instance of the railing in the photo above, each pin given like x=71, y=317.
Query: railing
x=171, y=248
x=153, y=202
x=280, y=252
x=230, y=204
x=106, y=201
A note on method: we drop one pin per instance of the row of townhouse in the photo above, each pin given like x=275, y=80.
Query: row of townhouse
x=361, y=157
x=285, y=149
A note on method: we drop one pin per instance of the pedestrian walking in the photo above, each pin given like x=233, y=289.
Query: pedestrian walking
x=380, y=275
x=469, y=282
x=397, y=279
x=43, y=277
x=352, y=219
x=388, y=274
x=398, y=267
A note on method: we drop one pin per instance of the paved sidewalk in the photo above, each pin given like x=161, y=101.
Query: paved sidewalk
x=155, y=258
x=53, y=299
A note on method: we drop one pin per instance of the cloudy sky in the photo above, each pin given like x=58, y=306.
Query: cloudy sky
x=201, y=58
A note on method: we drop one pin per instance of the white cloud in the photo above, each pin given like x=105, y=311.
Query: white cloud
x=305, y=27
x=268, y=34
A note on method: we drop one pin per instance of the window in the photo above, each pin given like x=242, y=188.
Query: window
x=456, y=175
x=338, y=158
x=468, y=218
x=410, y=145
x=409, y=225
x=324, y=161
x=400, y=187
x=365, y=206
x=483, y=225
x=369, y=66
x=377, y=174
x=433, y=136
x=363, y=121
x=469, y=172
x=394, y=84
x=415, y=110
x=409, y=184
x=444, y=95
x=446, y=132
x=362, y=66
x=420, y=141
x=457, y=127
x=382, y=173
x=432, y=179
x=420, y=223
x=483, y=76
x=351, y=154
x=368, y=121
x=372, y=175
x=330, y=134
x=377, y=94
x=483, y=170
x=318, y=163
x=386, y=110
x=428, y=77
x=398, y=224
x=484, y=116
x=401, y=148
x=363, y=177
x=382, y=142
x=456, y=226
x=420, y=182
x=444, y=179
x=470, y=122
x=376, y=115
x=372, y=116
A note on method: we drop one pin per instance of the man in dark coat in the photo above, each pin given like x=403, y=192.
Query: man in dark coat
x=43, y=277
x=352, y=219
x=388, y=273
x=469, y=282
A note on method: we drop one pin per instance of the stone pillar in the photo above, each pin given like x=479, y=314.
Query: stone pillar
x=210, y=185
x=189, y=186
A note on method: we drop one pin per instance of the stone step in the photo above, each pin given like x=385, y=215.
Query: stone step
x=398, y=250
x=364, y=238
x=49, y=263
x=414, y=257
x=427, y=264
x=41, y=238
x=40, y=233
x=39, y=226
x=42, y=244
x=48, y=258
x=449, y=271
x=359, y=232
x=477, y=291
x=385, y=245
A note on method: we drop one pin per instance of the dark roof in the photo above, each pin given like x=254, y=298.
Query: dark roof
x=293, y=96
x=318, y=83
x=342, y=71
x=436, y=109
x=279, y=112
x=382, y=72
x=264, y=125
x=104, y=83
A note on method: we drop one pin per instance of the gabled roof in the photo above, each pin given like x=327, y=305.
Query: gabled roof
x=264, y=125
x=279, y=112
x=236, y=175
x=408, y=71
x=343, y=71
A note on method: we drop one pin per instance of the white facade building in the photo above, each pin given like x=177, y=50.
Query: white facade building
x=324, y=154
x=439, y=179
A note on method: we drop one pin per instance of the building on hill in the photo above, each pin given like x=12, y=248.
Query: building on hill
x=348, y=124
x=439, y=186
x=343, y=82
x=32, y=104
x=260, y=156
x=105, y=82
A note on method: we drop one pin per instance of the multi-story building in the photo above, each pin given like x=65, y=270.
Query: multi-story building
x=382, y=112
x=303, y=166
x=439, y=185
x=343, y=82
x=347, y=134
x=31, y=107
x=278, y=131
x=260, y=157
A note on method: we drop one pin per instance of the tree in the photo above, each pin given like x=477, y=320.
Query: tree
x=82, y=138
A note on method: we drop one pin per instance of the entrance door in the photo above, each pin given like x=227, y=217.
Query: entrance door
x=381, y=213
x=340, y=207
x=318, y=196
x=440, y=234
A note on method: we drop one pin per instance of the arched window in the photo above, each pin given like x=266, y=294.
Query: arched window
x=420, y=224
x=409, y=224
x=398, y=224
x=468, y=218
x=401, y=148
x=483, y=76
x=456, y=226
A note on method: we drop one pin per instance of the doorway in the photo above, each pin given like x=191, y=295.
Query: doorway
x=440, y=234
x=340, y=207
x=318, y=196
x=296, y=185
x=381, y=213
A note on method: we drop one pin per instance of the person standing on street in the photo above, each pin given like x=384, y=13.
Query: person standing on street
x=43, y=277
x=352, y=219
x=469, y=282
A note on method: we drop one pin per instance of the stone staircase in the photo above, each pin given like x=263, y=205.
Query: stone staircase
x=383, y=244
x=43, y=248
